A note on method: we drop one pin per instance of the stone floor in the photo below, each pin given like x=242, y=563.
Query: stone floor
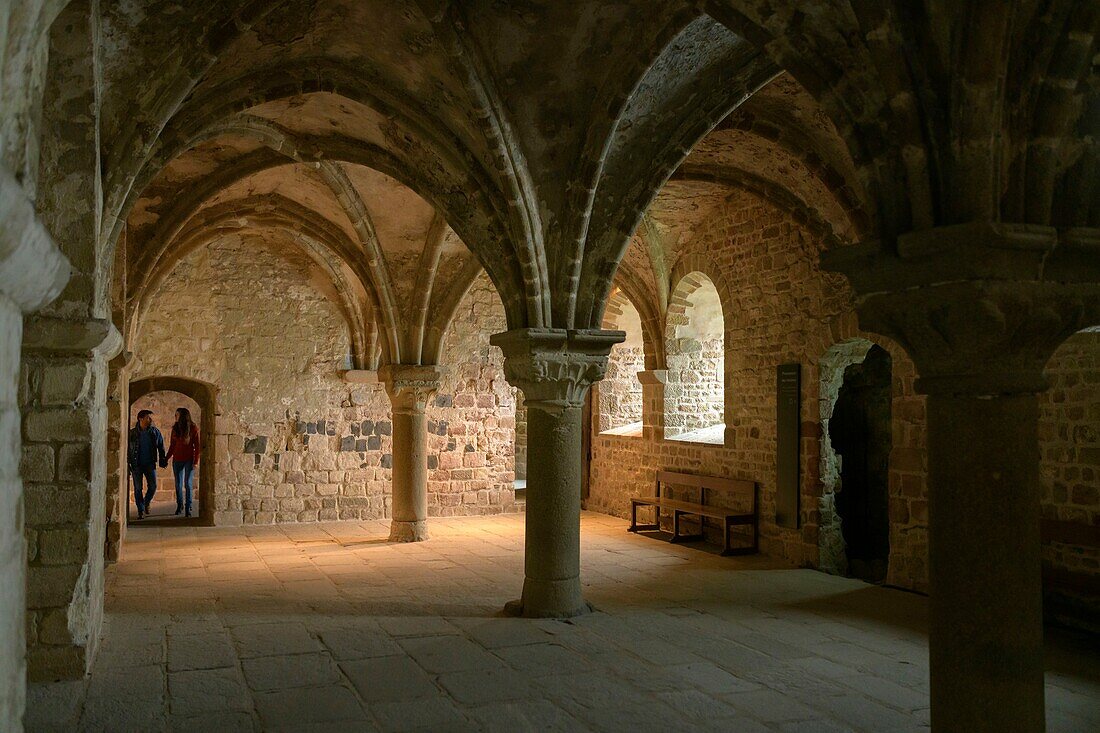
x=329, y=627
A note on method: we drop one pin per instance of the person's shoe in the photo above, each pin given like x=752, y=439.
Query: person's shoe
x=179, y=511
x=141, y=514
x=188, y=512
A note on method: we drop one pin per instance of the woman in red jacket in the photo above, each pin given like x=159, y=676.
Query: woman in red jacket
x=184, y=452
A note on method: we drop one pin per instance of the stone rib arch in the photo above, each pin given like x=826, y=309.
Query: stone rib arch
x=452, y=181
x=526, y=227
x=444, y=305
x=323, y=242
x=732, y=70
x=636, y=292
x=897, y=189
x=329, y=150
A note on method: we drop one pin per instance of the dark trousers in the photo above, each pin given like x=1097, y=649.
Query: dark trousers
x=149, y=474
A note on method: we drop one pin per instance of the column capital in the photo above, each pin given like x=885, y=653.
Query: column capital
x=90, y=337
x=981, y=338
x=32, y=269
x=555, y=366
x=981, y=250
x=410, y=386
x=978, y=317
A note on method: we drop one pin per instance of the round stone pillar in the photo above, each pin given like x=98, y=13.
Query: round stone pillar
x=409, y=388
x=980, y=308
x=985, y=607
x=554, y=368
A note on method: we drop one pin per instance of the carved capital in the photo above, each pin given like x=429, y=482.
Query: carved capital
x=980, y=307
x=32, y=269
x=410, y=387
x=90, y=337
x=555, y=366
x=981, y=338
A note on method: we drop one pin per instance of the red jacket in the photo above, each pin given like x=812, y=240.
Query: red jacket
x=183, y=452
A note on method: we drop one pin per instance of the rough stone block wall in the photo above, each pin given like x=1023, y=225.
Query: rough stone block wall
x=1069, y=445
x=781, y=308
x=296, y=442
x=64, y=472
x=694, y=392
x=620, y=393
x=472, y=423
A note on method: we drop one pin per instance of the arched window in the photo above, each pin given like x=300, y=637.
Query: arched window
x=620, y=392
x=695, y=391
x=1069, y=470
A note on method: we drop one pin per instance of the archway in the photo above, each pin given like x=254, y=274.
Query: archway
x=856, y=394
x=205, y=396
x=695, y=336
x=619, y=404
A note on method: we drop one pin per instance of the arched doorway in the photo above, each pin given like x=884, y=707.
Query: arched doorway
x=205, y=396
x=859, y=433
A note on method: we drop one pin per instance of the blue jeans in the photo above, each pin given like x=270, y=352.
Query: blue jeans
x=182, y=471
x=149, y=473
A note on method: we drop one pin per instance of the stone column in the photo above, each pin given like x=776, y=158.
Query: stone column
x=653, y=403
x=118, y=491
x=64, y=459
x=554, y=368
x=410, y=388
x=32, y=273
x=980, y=331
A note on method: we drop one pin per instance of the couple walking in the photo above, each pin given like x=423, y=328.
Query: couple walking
x=147, y=444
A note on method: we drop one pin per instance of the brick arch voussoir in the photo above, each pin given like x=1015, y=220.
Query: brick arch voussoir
x=685, y=282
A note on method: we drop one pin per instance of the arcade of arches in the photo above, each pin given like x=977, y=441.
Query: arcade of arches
x=418, y=260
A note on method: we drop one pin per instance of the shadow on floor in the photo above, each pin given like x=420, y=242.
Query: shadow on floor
x=166, y=521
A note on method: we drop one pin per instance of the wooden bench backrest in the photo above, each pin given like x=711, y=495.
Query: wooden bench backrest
x=706, y=483
x=1071, y=533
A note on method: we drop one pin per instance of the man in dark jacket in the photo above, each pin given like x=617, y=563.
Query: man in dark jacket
x=146, y=450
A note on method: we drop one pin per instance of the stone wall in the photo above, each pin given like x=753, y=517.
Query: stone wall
x=296, y=442
x=780, y=309
x=472, y=424
x=619, y=394
x=1069, y=445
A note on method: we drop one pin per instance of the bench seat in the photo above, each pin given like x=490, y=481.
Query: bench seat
x=729, y=517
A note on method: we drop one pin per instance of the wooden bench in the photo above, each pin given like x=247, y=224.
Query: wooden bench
x=729, y=517
x=1075, y=534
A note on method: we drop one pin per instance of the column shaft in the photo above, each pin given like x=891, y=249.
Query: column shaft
x=410, y=475
x=409, y=387
x=555, y=368
x=552, y=586
x=985, y=605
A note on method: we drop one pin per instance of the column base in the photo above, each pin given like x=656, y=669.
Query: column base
x=549, y=599
x=408, y=531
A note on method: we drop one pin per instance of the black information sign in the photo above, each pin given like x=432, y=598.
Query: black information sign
x=788, y=389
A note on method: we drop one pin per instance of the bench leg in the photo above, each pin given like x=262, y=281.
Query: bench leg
x=726, y=549
x=675, y=526
x=633, y=517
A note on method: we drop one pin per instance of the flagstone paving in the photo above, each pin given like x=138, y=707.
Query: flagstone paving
x=330, y=627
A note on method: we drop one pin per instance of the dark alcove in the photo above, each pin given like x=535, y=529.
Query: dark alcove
x=860, y=433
